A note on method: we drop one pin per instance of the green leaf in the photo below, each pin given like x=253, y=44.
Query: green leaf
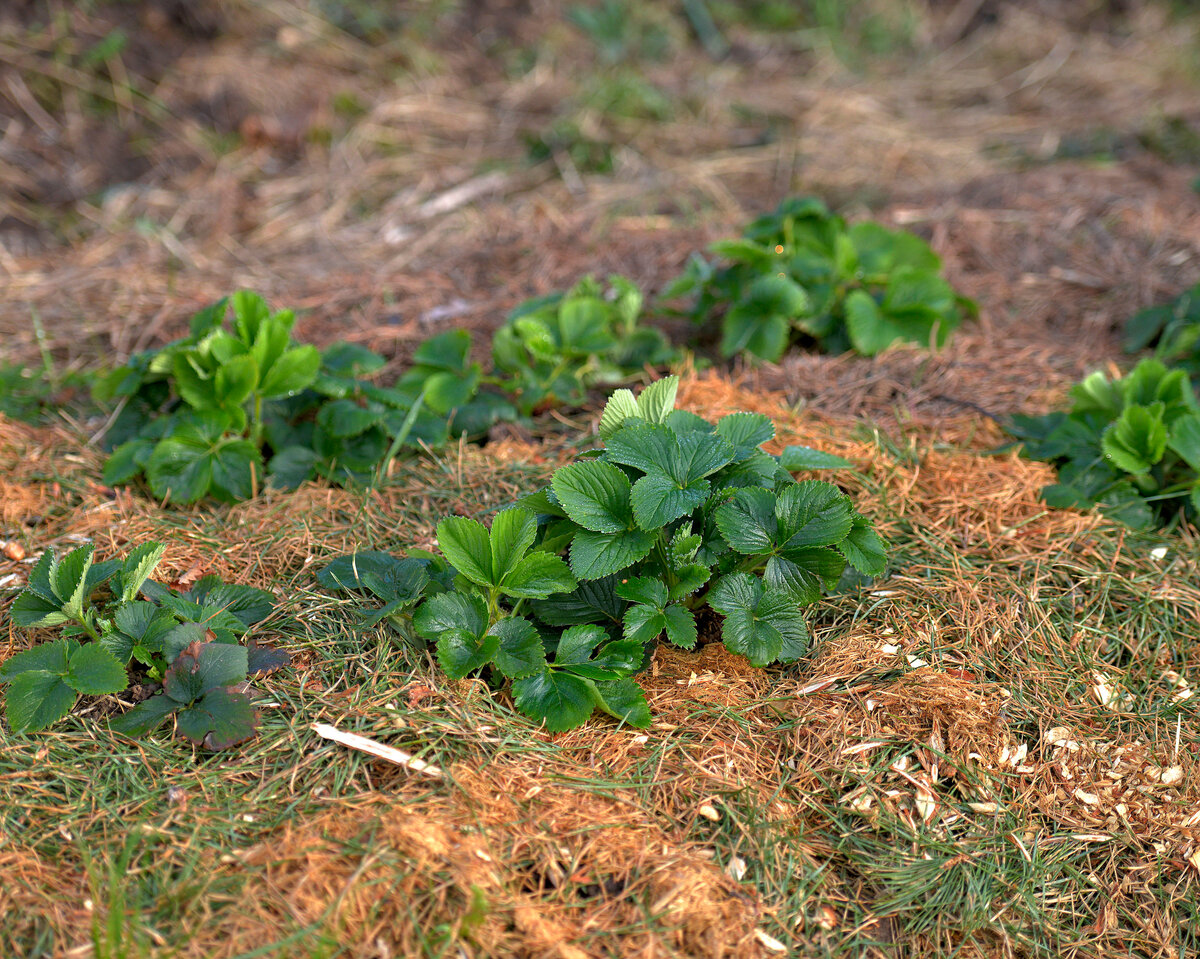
x=235, y=380
x=1137, y=439
x=30, y=609
x=292, y=372
x=292, y=466
x=644, y=623
x=799, y=573
x=446, y=351
x=591, y=602
x=577, y=644
x=558, y=699
x=681, y=626
x=127, y=461
x=595, y=555
x=188, y=465
x=461, y=652
x=537, y=576
x=657, y=400
x=745, y=330
x=614, y=661
x=94, y=671
x=644, y=589
x=796, y=458
x=813, y=513
x=201, y=667
x=595, y=495
x=141, y=561
x=762, y=625
x=747, y=521
x=658, y=499
x=37, y=699
x=870, y=331
x=446, y=611
x=513, y=532
x=250, y=311
x=70, y=580
x=465, y=542
x=47, y=657
x=746, y=429
x=145, y=717
x=520, y=651
x=864, y=550
x=624, y=700
x=1185, y=440
x=345, y=418
x=224, y=717
x=620, y=407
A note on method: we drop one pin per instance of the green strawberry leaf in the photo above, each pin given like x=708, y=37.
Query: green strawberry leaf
x=1137, y=439
x=596, y=555
x=864, y=550
x=224, y=717
x=201, y=667
x=140, y=562
x=36, y=699
x=512, y=534
x=461, y=652
x=47, y=657
x=797, y=458
x=559, y=700
x=447, y=611
x=763, y=625
x=520, y=653
x=624, y=700
x=292, y=372
x=30, y=609
x=94, y=671
x=145, y=717
x=70, y=580
x=537, y=576
x=595, y=495
x=465, y=542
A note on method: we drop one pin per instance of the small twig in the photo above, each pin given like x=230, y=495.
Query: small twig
x=362, y=744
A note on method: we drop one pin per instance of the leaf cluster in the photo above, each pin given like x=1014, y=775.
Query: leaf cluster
x=801, y=273
x=237, y=403
x=113, y=616
x=566, y=594
x=1172, y=329
x=1130, y=446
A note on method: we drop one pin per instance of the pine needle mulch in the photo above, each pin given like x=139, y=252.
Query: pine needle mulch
x=990, y=750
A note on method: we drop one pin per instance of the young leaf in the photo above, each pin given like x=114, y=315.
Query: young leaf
x=1137, y=440
x=467, y=545
x=513, y=532
x=657, y=400
x=70, y=580
x=620, y=407
x=140, y=562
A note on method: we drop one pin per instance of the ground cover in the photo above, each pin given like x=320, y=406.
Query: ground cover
x=990, y=750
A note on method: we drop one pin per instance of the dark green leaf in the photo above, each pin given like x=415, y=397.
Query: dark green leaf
x=595, y=555
x=520, y=652
x=47, y=657
x=201, y=667
x=623, y=700
x=224, y=717
x=145, y=717
x=537, y=576
x=37, y=699
x=558, y=699
x=461, y=611
x=94, y=671
x=595, y=495
x=796, y=458
x=461, y=652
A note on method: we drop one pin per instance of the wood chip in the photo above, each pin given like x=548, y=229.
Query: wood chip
x=362, y=744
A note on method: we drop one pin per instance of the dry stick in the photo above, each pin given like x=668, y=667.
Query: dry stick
x=362, y=744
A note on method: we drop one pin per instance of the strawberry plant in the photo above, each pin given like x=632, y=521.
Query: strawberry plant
x=188, y=641
x=225, y=409
x=1173, y=329
x=1130, y=446
x=554, y=347
x=563, y=598
x=801, y=273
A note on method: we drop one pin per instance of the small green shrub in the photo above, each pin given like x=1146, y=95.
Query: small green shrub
x=225, y=409
x=188, y=642
x=565, y=595
x=1130, y=446
x=1173, y=329
x=801, y=273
